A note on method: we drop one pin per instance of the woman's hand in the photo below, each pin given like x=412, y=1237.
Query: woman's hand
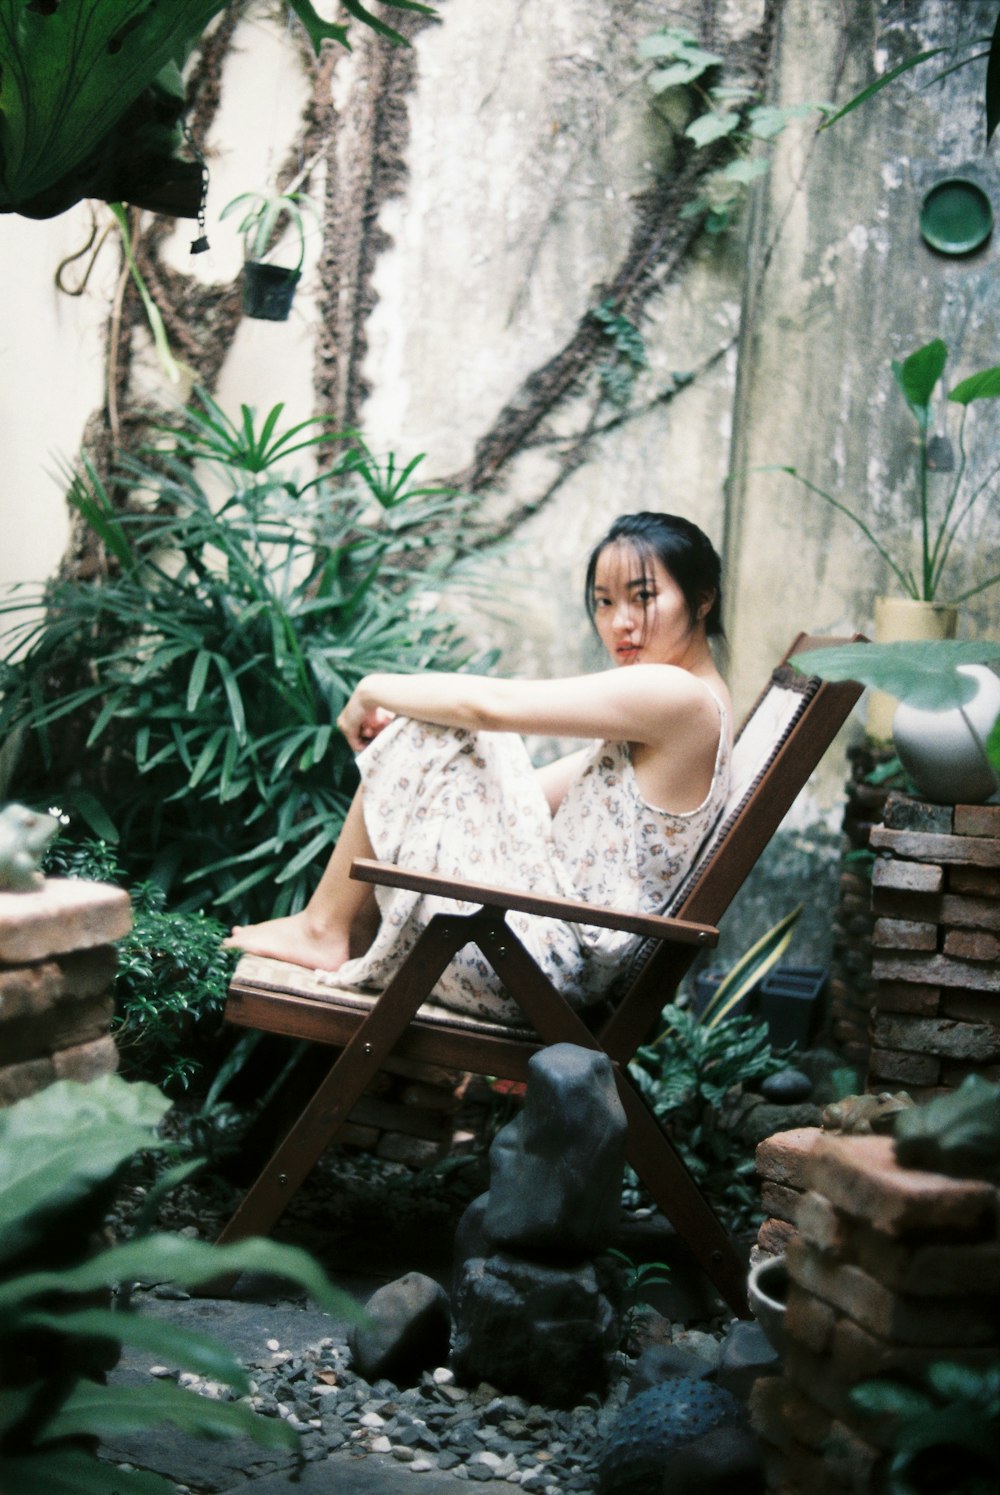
x=361, y=723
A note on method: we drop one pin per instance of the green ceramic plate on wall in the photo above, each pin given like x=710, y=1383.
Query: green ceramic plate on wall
x=956, y=216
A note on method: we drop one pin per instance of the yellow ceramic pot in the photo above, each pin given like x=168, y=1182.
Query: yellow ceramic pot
x=904, y=620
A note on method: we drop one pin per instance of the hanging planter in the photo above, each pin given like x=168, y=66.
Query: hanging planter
x=269, y=290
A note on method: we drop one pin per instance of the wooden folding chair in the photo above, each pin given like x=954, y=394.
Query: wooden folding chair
x=782, y=740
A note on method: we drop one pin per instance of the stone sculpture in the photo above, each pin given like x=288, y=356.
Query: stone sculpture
x=24, y=835
x=531, y=1302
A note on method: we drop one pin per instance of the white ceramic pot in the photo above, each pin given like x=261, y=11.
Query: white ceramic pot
x=943, y=751
x=767, y=1294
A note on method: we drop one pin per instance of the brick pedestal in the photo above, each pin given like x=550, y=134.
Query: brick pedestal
x=892, y=1269
x=851, y=979
x=936, y=946
x=57, y=965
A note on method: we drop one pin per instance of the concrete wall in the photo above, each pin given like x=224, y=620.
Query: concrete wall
x=530, y=140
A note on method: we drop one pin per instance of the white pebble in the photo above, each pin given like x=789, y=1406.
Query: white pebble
x=273, y=1344
x=381, y=1444
x=372, y=1420
x=492, y=1460
x=163, y=1372
x=443, y=1376
x=421, y=1466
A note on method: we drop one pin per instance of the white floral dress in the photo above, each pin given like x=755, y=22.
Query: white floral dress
x=468, y=805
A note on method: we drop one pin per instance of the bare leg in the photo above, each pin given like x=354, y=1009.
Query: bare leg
x=337, y=923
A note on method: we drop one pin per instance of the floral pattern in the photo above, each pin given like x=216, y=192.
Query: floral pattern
x=468, y=805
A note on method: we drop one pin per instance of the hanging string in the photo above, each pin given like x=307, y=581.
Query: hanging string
x=199, y=245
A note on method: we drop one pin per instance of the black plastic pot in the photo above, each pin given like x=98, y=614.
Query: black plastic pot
x=268, y=290
x=789, y=999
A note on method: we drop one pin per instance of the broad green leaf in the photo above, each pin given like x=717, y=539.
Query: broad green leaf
x=68, y=73
x=745, y=170
x=670, y=42
x=765, y=121
x=168, y=1258
x=917, y=376
x=752, y=967
x=171, y=1343
x=924, y=674
x=676, y=76
x=993, y=746
x=61, y=1142
x=891, y=1397
x=108, y=1411
x=982, y=386
x=712, y=126
x=69, y=1471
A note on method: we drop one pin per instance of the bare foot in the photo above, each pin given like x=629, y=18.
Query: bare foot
x=295, y=939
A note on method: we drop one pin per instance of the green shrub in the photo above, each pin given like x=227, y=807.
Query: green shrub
x=944, y=1432
x=686, y=1076
x=183, y=705
x=172, y=976
x=64, y=1306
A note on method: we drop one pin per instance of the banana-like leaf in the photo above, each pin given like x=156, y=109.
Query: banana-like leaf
x=70, y=1471
x=923, y=674
x=169, y=1342
x=107, y=1411
x=61, y=1143
x=67, y=75
x=168, y=1258
x=750, y=968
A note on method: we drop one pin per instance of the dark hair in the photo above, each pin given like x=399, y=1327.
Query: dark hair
x=683, y=550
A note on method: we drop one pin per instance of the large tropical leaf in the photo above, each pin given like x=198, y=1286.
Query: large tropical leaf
x=61, y=1143
x=70, y=1471
x=108, y=1411
x=169, y=1258
x=67, y=75
x=923, y=674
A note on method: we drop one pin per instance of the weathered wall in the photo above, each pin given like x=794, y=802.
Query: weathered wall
x=482, y=193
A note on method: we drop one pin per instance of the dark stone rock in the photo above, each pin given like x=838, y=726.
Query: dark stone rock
x=767, y=1118
x=543, y=1331
x=556, y=1170
x=408, y=1330
x=661, y=1362
x=787, y=1087
x=746, y=1354
x=650, y=1430
x=723, y=1461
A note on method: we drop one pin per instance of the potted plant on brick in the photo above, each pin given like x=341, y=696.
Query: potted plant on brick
x=267, y=221
x=925, y=607
x=947, y=727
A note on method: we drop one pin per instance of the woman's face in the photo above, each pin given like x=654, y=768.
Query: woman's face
x=640, y=612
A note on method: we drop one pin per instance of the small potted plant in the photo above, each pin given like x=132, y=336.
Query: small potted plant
x=924, y=610
x=268, y=288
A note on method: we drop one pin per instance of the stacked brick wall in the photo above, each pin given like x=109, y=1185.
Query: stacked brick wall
x=936, y=945
x=57, y=966
x=851, y=979
x=893, y=1269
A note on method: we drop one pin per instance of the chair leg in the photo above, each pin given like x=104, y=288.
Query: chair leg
x=332, y=1103
x=650, y=1150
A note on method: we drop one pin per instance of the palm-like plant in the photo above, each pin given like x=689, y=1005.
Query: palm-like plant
x=184, y=705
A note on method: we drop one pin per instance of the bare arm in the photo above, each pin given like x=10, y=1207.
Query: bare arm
x=555, y=778
x=642, y=704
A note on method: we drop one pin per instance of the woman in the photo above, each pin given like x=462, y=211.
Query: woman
x=447, y=786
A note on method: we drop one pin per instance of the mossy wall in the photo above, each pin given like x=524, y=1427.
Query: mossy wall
x=482, y=192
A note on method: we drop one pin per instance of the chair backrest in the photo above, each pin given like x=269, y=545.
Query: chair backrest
x=789, y=728
x=787, y=731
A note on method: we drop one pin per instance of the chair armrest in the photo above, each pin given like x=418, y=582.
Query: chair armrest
x=569, y=910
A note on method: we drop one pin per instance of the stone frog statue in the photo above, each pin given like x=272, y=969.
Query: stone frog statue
x=24, y=835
